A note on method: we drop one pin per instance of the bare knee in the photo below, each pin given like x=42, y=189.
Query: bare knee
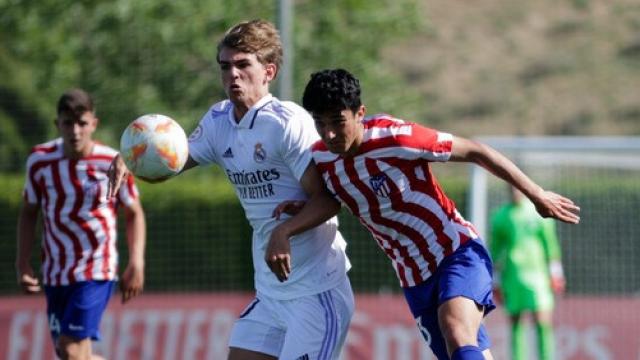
x=458, y=333
x=69, y=348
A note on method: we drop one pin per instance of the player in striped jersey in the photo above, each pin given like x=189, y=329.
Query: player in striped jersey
x=378, y=167
x=67, y=182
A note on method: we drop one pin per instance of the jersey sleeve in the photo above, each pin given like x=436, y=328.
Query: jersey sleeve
x=128, y=193
x=435, y=145
x=298, y=138
x=202, y=139
x=31, y=192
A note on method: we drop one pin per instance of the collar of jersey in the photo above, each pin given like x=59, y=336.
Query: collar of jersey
x=249, y=118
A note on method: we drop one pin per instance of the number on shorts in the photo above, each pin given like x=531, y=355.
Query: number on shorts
x=54, y=324
x=423, y=330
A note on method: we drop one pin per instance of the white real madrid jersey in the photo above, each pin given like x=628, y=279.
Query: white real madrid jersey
x=264, y=156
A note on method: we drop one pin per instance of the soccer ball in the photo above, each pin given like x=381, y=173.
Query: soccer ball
x=154, y=147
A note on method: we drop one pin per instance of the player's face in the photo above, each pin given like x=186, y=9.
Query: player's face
x=244, y=78
x=77, y=132
x=341, y=131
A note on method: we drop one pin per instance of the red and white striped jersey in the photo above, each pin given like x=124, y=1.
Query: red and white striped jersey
x=79, y=222
x=389, y=186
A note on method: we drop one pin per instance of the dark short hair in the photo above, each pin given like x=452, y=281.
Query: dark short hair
x=332, y=90
x=259, y=37
x=75, y=102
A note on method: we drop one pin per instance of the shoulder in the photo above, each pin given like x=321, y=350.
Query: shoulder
x=286, y=111
x=319, y=146
x=501, y=218
x=383, y=125
x=103, y=151
x=382, y=130
x=384, y=121
x=321, y=154
x=215, y=116
x=217, y=112
x=501, y=212
x=47, y=151
x=48, y=147
x=220, y=108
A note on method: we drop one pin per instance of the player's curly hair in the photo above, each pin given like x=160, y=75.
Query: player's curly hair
x=258, y=37
x=332, y=90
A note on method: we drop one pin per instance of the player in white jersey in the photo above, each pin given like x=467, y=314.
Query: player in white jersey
x=263, y=145
x=379, y=169
x=67, y=182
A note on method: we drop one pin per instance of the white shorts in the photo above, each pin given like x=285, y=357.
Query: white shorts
x=311, y=327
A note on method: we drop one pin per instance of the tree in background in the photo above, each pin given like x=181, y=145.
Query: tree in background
x=138, y=57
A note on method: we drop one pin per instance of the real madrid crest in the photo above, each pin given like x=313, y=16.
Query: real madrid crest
x=259, y=153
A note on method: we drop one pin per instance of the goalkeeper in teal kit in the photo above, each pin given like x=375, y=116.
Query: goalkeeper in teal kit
x=526, y=256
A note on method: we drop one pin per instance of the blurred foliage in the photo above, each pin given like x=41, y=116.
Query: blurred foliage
x=567, y=67
x=137, y=57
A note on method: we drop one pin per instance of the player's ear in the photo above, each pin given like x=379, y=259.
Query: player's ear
x=271, y=71
x=361, y=111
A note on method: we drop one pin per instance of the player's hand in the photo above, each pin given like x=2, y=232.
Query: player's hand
x=558, y=284
x=132, y=282
x=27, y=279
x=278, y=255
x=290, y=207
x=117, y=173
x=556, y=273
x=558, y=207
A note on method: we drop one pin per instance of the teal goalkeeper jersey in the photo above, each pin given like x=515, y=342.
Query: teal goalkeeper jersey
x=522, y=244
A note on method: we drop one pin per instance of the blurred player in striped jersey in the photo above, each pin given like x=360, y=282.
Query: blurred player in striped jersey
x=67, y=182
x=378, y=167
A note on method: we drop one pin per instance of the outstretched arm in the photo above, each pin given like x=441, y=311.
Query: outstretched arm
x=548, y=204
x=118, y=173
x=320, y=207
x=26, y=237
x=132, y=281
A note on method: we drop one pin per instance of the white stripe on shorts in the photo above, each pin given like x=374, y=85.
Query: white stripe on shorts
x=331, y=329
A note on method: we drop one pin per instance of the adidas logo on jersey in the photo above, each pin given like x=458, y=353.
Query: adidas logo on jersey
x=228, y=153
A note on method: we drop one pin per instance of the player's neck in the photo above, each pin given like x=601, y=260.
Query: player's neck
x=74, y=154
x=239, y=112
x=241, y=107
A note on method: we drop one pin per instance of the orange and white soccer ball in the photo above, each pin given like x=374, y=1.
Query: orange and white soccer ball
x=154, y=147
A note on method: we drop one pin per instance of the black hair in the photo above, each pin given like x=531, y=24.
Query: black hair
x=75, y=102
x=332, y=90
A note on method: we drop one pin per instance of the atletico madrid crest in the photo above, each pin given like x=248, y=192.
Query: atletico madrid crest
x=380, y=184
